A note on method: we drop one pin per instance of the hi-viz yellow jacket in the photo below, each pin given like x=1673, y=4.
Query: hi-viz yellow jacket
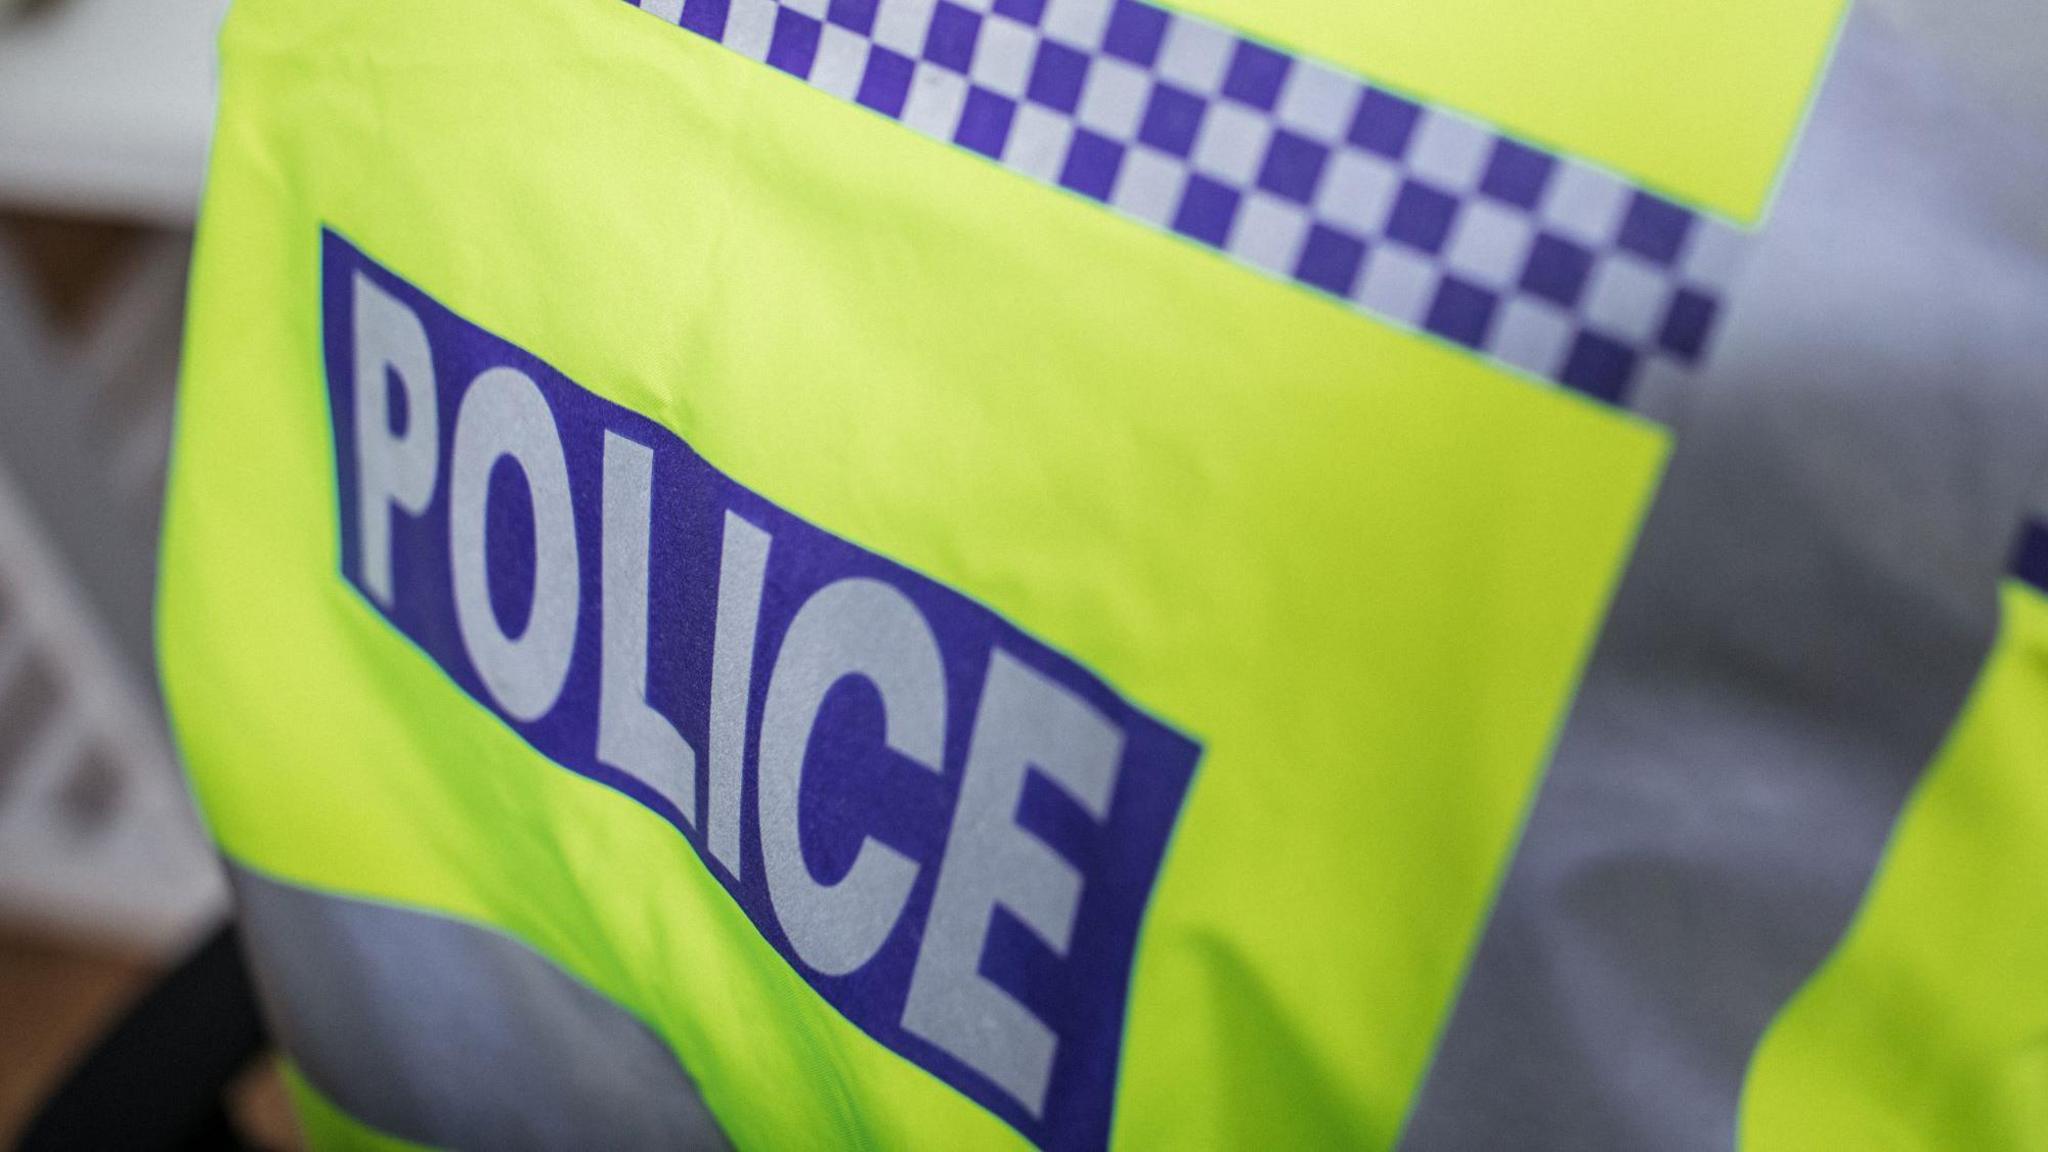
x=1161, y=573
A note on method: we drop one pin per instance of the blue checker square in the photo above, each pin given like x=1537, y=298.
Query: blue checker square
x=1687, y=324
x=706, y=17
x=1135, y=32
x=853, y=15
x=1293, y=166
x=1092, y=164
x=1655, y=228
x=1516, y=174
x=1384, y=123
x=950, y=41
x=1330, y=260
x=2030, y=558
x=1255, y=76
x=985, y=122
x=1057, y=76
x=794, y=44
x=1171, y=120
x=886, y=83
x=1207, y=210
x=1461, y=312
x=1599, y=367
x=1557, y=270
x=1022, y=11
x=1422, y=217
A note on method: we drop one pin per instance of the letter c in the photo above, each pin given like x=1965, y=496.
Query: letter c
x=853, y=627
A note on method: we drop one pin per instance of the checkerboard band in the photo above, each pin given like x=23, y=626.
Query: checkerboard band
x=2030, y=559
x=1418, y=215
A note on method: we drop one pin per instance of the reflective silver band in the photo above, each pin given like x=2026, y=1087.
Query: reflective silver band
x=450, y=1034
x=1812, y=599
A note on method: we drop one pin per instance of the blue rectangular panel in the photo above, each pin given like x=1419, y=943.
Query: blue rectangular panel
x=857, y=790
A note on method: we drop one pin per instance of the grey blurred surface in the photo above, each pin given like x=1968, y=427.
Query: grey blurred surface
x=105, y=106
x=1998, y=47
x=97, y=836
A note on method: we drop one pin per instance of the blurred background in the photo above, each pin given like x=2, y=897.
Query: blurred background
x=105, y=874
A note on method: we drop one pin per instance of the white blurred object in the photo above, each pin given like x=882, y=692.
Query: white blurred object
x=105, y=105
x=97, y=835
x=105, y=108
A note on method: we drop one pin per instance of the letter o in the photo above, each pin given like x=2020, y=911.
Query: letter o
x=504, y=415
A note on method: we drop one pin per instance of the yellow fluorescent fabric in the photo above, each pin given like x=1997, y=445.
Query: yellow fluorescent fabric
x=1700, y=101
x=1361, y=569
x=328, y=1127
x=1929, y=1026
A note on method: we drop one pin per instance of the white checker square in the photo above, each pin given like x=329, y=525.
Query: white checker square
x=1079, y=23
x=1532, y=335
x=901, y=25
x=812, y=8
x=1038, y=143
x=1358, y=191
x=1113, y=98
x=1231, y=142
x=1714, y=253
x=1269, y=233
x=1626, y=298
x=1450, y=151
x=1149, y=187
x=750, y=27
x=1584, y=204
x=841, y=61
x=1490, y=243
x=1398, y=284
x=1003, y=56
x=1318, y=101
x=669, y=10
x=1194, y=54
x=936, y=97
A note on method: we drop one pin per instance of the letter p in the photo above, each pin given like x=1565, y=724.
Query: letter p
x=393, y=470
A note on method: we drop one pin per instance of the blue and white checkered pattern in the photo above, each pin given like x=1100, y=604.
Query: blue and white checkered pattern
x=1417, y=215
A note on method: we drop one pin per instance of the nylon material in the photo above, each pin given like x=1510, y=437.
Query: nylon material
x=449, y=1035
x=1811, y=600
x=1923, y=1029
x=1238, y=503
x=1426, y=218
x=925, y=657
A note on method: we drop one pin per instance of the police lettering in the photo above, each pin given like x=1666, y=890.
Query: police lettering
x=640, y=618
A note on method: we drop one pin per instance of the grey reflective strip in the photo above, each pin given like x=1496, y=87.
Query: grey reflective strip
x=1811, y=600
x=449, y=1034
